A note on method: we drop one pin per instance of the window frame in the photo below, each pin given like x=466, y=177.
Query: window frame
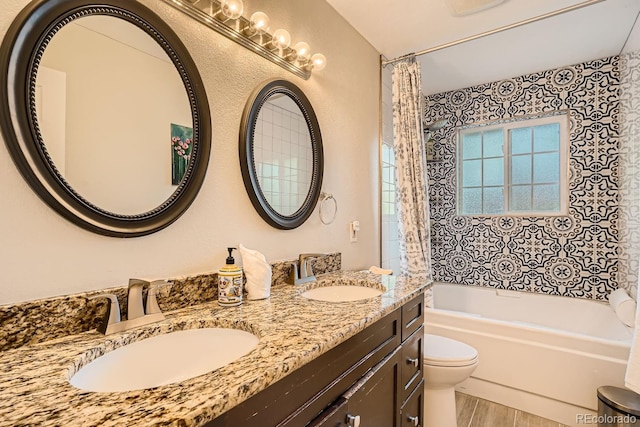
x=560, y=118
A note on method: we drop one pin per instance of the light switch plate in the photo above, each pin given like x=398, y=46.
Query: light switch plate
x=354, y=227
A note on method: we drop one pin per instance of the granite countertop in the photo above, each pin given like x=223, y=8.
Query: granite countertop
x=293, y=330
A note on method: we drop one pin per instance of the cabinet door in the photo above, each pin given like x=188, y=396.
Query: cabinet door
x=375, y=398
x=412, y=351
x=412, y=413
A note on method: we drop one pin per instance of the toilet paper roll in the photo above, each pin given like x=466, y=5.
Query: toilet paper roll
x=624, y=306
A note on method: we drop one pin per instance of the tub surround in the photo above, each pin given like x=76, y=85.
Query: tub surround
x=42, y=320
x=574, y=255
x=293, y=331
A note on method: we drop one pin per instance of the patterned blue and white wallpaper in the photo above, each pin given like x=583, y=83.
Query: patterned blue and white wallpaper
x=574, y=255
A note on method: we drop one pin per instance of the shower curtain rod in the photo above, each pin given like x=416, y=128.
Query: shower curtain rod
x=495, y=31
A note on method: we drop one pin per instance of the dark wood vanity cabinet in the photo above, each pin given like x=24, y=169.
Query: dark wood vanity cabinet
x=374, y=399
x=412, y=316
x=412, y=350
x=411, y=413
x=372, y=379
x=334, y=416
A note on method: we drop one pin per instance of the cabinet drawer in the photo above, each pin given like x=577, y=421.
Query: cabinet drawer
x=412, y=413
x=412, y=316
x=372, y=400
x=412, y=350
x=333, y=416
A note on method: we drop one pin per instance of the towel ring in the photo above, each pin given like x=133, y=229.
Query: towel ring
x=323, y=198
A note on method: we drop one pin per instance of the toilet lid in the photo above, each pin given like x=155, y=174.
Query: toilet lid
x=443, y=351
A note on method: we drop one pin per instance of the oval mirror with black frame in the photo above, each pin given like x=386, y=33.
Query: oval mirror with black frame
x=107, y=119
x=281, y=154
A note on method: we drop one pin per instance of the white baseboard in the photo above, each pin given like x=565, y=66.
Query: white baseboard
x=532, y=403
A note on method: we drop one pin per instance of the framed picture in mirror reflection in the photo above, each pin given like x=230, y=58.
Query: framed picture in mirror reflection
x=181, y=147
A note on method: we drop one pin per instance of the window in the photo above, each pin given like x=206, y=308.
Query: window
x=514, y=168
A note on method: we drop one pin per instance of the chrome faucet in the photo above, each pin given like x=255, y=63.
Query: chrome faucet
x=137, y=313
x=135, y=308
x=301, y=272
x=113, y=312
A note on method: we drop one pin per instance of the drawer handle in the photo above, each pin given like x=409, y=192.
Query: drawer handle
x=414, y=420
x=414, y=362
x=353, y=420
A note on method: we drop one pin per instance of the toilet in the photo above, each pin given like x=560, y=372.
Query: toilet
x=447, y=362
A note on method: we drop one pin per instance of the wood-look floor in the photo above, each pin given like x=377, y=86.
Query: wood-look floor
x=476, y=412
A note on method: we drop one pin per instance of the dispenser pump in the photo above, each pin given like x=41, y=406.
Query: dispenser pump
x=230, y=260
x=230, y=282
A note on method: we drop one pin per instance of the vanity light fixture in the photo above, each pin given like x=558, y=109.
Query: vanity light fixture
x=301, y=53
x=232, y=9
x=281, y=40
x=228, y=10
x=318, y=62
x=258, y=24
x=226, y=17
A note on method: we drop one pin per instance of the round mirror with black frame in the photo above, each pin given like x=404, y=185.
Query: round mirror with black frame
x=121, y=147
x=281, y=155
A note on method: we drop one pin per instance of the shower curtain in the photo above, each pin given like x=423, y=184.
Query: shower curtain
x=412, y=199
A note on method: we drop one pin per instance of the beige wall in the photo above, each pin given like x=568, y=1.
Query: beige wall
x=44, y=255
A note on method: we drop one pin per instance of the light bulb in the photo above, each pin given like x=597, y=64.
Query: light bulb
x=281, y=39
x=318, y=61
x=259, y=23
x=232, y=9
x=303, y=51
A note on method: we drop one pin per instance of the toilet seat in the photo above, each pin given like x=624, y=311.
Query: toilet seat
x=443, y=351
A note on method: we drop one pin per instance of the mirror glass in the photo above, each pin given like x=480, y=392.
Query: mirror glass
x=283, y=154
x=113, y=114
x=105, y=114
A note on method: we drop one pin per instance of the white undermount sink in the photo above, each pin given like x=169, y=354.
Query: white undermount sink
x=341, y=293
x=164, y=359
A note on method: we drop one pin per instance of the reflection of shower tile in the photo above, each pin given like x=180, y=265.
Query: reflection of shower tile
x=267, y=129
x=266, y=114
x=277, y=117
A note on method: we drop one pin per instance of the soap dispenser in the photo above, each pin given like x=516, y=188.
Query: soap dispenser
x=230, y=283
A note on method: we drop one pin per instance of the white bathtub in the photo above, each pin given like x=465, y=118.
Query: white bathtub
x=542, y=354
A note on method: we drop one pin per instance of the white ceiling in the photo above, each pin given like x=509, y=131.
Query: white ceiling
x=399, y=27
